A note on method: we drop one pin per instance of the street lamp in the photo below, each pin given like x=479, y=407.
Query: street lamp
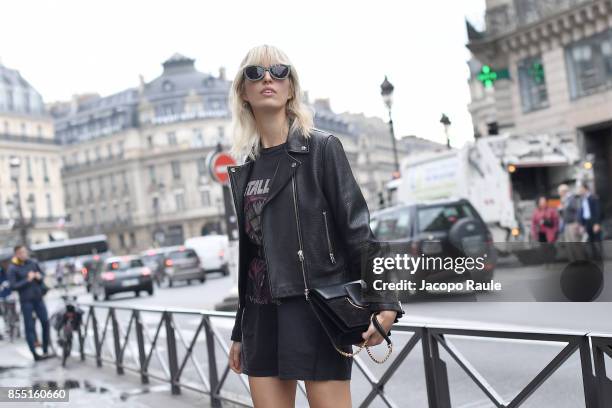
x=446, y=122
x=21, y=225
x=386, y=91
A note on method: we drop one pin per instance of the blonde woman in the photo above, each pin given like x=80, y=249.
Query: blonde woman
x=303, y=221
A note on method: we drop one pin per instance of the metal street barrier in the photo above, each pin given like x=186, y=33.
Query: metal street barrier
x=105, y=337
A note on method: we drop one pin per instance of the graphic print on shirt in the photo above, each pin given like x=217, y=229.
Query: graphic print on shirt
x=255, y=195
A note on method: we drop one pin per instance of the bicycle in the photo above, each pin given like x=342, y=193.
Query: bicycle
x=11, y=318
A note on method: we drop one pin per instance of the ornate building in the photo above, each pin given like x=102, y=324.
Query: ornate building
x=135, y=162
x=545, y=67
x=31, y=195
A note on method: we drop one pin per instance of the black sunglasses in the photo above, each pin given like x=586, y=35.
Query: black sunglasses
x=257, y=72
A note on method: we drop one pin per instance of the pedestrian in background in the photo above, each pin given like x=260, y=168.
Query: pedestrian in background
x=544, y=222
x=590, y=218
x=26, y=277
x=570, y=229
x=5, y=291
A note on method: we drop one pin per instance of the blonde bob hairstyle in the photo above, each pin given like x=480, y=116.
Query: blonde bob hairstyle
x=244, y=129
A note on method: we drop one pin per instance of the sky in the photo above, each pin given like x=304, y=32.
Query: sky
x=341, y=49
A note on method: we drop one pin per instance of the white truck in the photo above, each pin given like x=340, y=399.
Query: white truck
x=500, y=175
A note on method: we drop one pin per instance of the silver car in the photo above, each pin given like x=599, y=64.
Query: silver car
x=123, y=274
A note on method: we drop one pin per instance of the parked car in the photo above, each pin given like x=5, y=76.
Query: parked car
x=122, y=274
x=213, y=251
x=448, y=228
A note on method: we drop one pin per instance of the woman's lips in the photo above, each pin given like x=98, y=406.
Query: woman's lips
x=268, y=92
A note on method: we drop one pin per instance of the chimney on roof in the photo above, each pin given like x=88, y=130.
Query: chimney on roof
x=222, y=73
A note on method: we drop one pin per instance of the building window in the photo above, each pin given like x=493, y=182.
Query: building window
x=113, y=182
x=29, y=168
x=221, y=132
x=109, y=149
x=49, y=205
x=132, y=239
x=9, y=99
x=176, y=169
x=202, y=168
x=116, y=209
x=125, y=180
x=150, y=141
x=121, y=240
x=39, y=131
x=205, y=197
x=532, y=84
x=589, y=64
x=198, y=138
x=87, y=159
x=6, y=128
x=82, y=217
x=128, y=210
x=103, y=212
x=101, y=184
x=120, y=149
x=94, y=217
x=155, y=205
x=89, y=188
x=180, y=201
x=45, y=170
x=171, y=138
x=98, y=154
x=152, y=175
x=26, y=101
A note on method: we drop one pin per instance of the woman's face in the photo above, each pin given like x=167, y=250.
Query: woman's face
x=267, y=94
x=542, y=203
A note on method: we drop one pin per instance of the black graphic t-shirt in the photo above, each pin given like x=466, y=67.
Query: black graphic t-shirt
x=255, y=194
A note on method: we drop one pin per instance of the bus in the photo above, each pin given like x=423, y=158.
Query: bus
x=78, y=254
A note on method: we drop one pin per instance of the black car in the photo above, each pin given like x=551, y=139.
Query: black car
x=122, y=274
x=445, y=229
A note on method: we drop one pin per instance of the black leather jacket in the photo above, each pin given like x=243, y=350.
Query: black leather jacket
x=315, y=221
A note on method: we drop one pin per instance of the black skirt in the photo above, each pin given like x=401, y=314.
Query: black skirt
x=286, y=340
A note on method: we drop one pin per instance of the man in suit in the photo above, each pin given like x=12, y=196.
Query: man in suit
x=590, y=219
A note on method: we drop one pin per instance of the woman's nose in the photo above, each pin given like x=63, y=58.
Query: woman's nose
x=267, y=77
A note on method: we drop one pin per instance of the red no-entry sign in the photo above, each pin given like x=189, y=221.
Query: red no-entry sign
x=217, y=164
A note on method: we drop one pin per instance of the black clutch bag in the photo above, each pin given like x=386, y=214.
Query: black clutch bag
x=345, y=316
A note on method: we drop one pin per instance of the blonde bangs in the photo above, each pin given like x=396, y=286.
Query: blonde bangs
x=244, y=132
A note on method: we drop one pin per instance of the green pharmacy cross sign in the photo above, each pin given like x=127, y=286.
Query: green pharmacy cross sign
x=488, y=76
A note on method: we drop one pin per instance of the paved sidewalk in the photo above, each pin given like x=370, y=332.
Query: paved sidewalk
x=90, y=386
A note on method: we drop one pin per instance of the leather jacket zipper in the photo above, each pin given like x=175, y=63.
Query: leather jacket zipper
x=263, y=243
x=233, y=184
x=297, y=224
x=329, y=245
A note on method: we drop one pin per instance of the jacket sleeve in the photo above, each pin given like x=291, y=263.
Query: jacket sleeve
x=350, y=213
x=16, y=284
x=237, y=330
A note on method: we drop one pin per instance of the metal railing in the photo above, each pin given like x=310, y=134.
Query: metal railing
x=107, y=340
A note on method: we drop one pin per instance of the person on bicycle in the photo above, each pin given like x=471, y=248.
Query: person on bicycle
x=26, y=277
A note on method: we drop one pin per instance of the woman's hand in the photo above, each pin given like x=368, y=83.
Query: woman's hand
x=234, y=357
x=386, y=319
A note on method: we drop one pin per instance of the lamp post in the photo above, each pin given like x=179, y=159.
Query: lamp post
x=446, y=122
x=386, y=91
x=21, y=224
